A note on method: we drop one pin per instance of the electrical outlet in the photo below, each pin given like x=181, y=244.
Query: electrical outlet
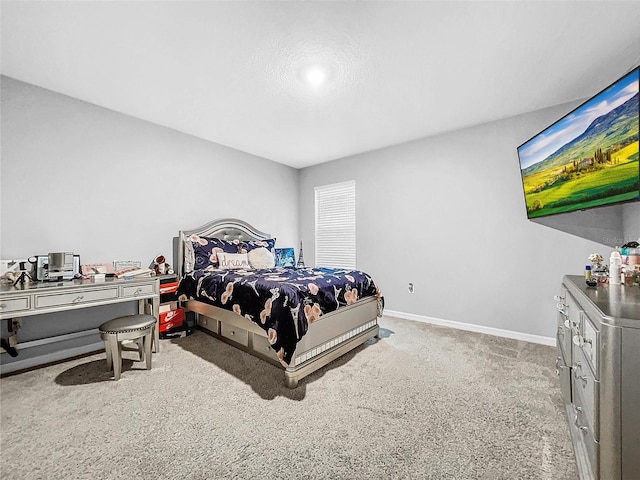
x=411, y=290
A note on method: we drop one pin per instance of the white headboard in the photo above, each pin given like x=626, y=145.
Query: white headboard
x=226, y=229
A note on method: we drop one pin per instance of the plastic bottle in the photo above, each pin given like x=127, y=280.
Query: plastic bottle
x=615, y=264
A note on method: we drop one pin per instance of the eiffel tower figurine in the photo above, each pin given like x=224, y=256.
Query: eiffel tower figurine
x=300, y=263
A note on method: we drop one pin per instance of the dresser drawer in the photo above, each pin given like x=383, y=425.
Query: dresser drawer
x=16, y=304
x=238, y=335
x=564, y=375
x=587, y=449
x=76, y=298
x=585, y=394
x=138, y=290
x=590, y=343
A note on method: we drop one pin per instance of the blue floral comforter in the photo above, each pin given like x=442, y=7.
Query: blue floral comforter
x=284, y=301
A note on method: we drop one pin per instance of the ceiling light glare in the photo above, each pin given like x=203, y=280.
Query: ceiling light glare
x=315, y=76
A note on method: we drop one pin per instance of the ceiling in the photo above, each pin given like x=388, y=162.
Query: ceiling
x=302, y=83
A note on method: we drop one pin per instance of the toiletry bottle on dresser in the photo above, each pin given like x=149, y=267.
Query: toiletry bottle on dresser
x=615, y=265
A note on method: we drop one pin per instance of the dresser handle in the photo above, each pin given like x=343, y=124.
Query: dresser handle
x=558, y=366
x=584, y=430
x=586, y=341
x=583, y=378
x=78, y=299
x=2, y=305
x=137, y=292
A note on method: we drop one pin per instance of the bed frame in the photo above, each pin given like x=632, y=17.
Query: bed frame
x=331, y=336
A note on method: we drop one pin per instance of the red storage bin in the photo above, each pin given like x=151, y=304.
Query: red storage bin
x=170, y=287
x=171, y=319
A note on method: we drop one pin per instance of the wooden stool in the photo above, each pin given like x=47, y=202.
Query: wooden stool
x=138, y=328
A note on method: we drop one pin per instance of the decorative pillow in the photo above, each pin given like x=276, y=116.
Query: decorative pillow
x=189, y=257
x=261, y=258
x=233, y=261
x=285, y=257
x=247, y=245
x=205, y=250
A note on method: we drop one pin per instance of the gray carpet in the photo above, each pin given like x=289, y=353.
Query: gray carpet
x=422, y=402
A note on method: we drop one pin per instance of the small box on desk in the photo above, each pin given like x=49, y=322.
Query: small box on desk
x=171, y=319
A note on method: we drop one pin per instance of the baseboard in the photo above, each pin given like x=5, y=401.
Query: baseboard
x=526, y=337
x=42, y=360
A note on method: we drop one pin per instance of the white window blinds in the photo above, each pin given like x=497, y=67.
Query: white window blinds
x=336, y=225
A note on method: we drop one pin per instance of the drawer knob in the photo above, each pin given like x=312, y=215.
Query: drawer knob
x=137, y=292
x=558, y=298
x=78, y=299
x=2, y=305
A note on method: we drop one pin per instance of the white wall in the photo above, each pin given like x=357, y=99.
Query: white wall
x=78, y=177
x=631, y=216
x=447, y=214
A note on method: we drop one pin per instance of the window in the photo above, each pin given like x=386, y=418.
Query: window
x=336, y=225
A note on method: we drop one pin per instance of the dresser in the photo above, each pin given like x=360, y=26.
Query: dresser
x=598, y=363
x=18, y=304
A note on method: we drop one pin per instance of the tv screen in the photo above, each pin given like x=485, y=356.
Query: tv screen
x=588, y=158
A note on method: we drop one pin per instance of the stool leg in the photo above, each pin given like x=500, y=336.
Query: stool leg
x=148, y=341
x=116, y=355
x=107, y=349
x=156, y=336
x=140, y=343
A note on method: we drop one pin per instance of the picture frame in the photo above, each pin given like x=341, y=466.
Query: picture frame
x=285, y=257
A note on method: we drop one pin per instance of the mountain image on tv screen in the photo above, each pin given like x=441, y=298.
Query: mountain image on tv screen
x=589, y=157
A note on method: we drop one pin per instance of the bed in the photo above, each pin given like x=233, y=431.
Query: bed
x=299, y=335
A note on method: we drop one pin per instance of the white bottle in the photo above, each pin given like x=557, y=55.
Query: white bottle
x=615, y=265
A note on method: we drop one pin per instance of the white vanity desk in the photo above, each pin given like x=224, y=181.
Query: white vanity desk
x=50, y=297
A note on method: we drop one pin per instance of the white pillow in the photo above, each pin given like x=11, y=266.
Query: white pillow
x=232, y=261
x=189, y=257
x=261, y=258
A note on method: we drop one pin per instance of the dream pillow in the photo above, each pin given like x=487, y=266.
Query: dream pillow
x=232, y=261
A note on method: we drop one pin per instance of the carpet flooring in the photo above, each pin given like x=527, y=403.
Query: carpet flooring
x=420, y=402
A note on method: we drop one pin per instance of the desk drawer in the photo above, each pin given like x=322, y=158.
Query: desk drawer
x=14, y=304
x=77, y=298
x=138, y=290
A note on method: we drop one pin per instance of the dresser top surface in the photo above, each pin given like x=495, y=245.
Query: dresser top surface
x=618, y=302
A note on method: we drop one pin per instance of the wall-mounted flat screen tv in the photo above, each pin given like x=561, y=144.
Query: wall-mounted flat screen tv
x=588, y=158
